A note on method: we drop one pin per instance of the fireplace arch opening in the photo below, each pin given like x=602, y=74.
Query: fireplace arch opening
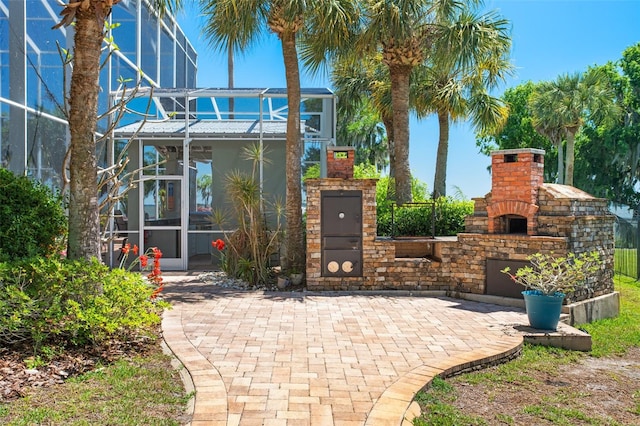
x=514, y=224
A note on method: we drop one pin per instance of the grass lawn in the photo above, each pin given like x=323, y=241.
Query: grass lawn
x=549, y=386
x=143, y=390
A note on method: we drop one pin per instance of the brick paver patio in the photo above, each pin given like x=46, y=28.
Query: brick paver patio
x=260, y=358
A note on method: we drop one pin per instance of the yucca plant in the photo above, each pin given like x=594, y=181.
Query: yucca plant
x=249, y=248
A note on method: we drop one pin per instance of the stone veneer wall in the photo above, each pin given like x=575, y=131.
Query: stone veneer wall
x=468, y=258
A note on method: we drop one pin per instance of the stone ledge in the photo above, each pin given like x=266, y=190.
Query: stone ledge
x=565, y=337
x=597, y=308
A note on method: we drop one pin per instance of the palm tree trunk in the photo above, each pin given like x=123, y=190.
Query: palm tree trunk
x=560, y=178
x=391, y=184
x=568, y=172
x=400, y=78
x=440, y=180
x=84, y=223
x=294, y=246
x=230, y=64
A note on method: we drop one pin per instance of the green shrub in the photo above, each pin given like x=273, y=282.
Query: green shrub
x=416, y=220
x=32, y=218
x=61, y=302
x=450, y=215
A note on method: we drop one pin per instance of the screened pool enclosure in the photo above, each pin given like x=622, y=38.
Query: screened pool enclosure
x=181, y=145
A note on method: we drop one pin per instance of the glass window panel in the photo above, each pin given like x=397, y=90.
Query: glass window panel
x=122, y=72
x=180, y=67
x=181, y=40
x=168, y=20
x=168, y=241
x=191, y=53
x=124, y=35
x=47, y=144
x=166, y=60
x=34, y=86
x=200, y=186
x=162, y=160
x=103, y=100
x=149, y=27
x=191, y=70
x=44, y=64
x=201, y=252
x=191, y=75
x=162, y=202
x=4, y=73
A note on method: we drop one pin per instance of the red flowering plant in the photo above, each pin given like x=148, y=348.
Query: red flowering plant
x=219, y=245
x=155, y=274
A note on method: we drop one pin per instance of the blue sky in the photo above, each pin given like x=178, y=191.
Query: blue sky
x=550, y=38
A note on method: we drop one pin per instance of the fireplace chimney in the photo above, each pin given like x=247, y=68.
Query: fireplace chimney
x=517, y=174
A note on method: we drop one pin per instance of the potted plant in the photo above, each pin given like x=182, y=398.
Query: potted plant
x=283, y=282
x=296, y=276
x=548, y=279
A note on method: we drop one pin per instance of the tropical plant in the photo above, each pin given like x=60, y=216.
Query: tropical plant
x=550, y=274
x=456, y=82
x=241, y=24
x=562, y=107
x=89, y=17
x=248, y=249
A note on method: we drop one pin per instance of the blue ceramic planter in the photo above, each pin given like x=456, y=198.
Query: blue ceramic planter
x=543, y=310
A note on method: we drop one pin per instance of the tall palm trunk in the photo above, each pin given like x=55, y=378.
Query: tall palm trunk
x=568, y=171
x=400, y=78
x=560, y=163
x=294, y=246
x=230, y=64
x=440, y=180
x=391, y=186
x=84, y=223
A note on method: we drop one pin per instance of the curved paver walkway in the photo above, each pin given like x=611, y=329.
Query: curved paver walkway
x=323, y=359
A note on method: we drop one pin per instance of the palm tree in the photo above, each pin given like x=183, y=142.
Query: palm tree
x=568, y=102
x=468, y=60
x=89, y=17
x=241, y=24
x=403, y=31
x=364, y=96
